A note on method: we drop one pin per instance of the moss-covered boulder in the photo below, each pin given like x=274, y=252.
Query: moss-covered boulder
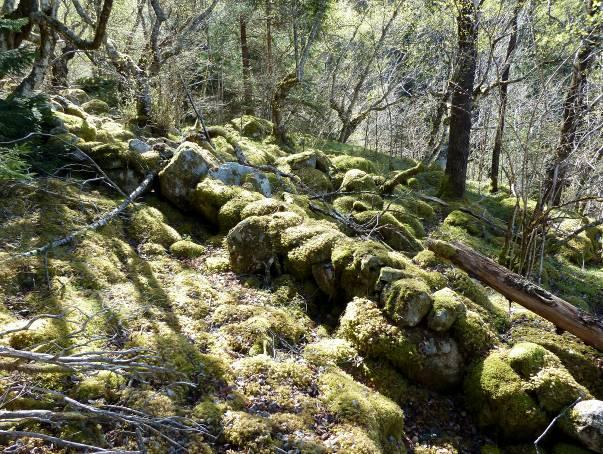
x=446, y=308
x=186, y=249
x=433, y=361
x=252, y=127
x=397, y=235
x=76, y=95
x=381, y=418
x=343, y=163
x=518, y=391
x=96, y=106
x=253, y=243
x=148, y=225
x=406, y=302
x=235, y=174
x=357, y=181
x=181, y=175
x=584, y=423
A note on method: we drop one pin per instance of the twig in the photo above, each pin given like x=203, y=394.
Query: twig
x=197, y=112
x=550, y=426
x=17, y=434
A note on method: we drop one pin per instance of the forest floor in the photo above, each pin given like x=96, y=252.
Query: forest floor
x=261, y=356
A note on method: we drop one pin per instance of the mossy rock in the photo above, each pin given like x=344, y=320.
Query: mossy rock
x=186, y=249
x=252, y=127
x=229, y=214
x=315, y=179
x=343, y=163
x=147, y=224
x=432, y=361
x=358, y=181
x=78, y=126
x=104, y=384
x=150, y=402
x=96, y=106
x=180, y=176
x=331, y=351
x=406, y=302
x=397, y=235
x=464, y=220
x=380, y=417
x=518, y=391
x=446, y=308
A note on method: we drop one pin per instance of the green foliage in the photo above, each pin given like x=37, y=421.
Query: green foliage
x=13, y=163
x=14, y=61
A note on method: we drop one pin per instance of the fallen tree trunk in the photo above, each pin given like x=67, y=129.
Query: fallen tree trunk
x=516, y=288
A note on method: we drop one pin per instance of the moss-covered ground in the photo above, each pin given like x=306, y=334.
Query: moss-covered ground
x=280, y=329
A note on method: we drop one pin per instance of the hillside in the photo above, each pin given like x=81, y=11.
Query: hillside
x=259, y=298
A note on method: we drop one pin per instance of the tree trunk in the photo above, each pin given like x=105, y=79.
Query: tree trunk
x=247, y=88
x=36, y=77
x=459, y=138
x=573, y=107
x=516, y=288
x=269, y=38
x=60, y=67
x=502, y=110
x=12, y=40
x=282, y=91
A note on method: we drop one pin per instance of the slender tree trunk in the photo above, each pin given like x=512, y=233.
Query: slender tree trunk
x=461, y=101
x=269, y=62
x=573, y=106
x=502, y=110
x=36, y=77
x=60, y=67
x=10, y=39
x=247, y=88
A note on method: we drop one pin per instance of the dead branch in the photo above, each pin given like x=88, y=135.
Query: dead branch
x=144, y=186
x=516, y=288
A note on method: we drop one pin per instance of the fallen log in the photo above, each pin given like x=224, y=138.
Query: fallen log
x=516, y=288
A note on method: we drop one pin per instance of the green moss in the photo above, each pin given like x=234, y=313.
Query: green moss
x=78, y=126
x=315, y=179
x=357, y=180
x=474, y=335
x=217, y=264
x=464, y=220
x=147, y=224
x=308, y=245
x=210, y=195
x=259, y=329
x=407, y=218
x=436, y=367
x=150, y=402
x=358, y=264
x=331, y=351
x=442, y=249
x=496, y=395
x=263, y=207
x=186, y=249
x=248, y=431
x=428, y=259
x=103, y=384
x=343, y=163
x=579, y=359
x=519, y=405
x=96, y=106
x=229, y=214
x=354, y=403
x=447, y=307
x=253, y=127
x=397, y=235
x=527, y=358
x=381, y=376
x=406, y=301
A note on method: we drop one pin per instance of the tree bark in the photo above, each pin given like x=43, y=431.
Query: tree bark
x=60, y=67
x=459, y=138
x=573, y=106
x=516, y=288
x=502, y=110
x=36, y=77
x=247, y=88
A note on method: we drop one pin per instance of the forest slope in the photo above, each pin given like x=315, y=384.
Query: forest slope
x=275, y=300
